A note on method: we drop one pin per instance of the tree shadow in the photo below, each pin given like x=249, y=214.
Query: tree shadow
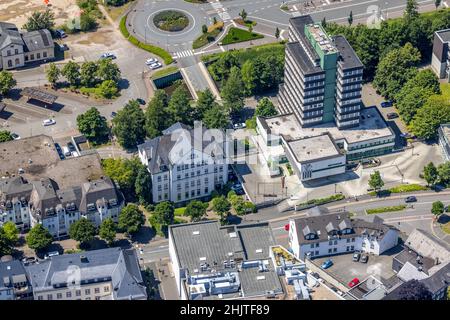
x=123, y=84
x=145, y=235
x=443, y=219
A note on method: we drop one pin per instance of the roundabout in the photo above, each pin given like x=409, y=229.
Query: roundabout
x=170, y=20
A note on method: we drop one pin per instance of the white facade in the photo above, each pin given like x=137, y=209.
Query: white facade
x=11, y=57
x=17, y=212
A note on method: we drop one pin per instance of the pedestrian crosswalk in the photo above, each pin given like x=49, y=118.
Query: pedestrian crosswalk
x=184, y=54
x=224, y=16
x=221, y=11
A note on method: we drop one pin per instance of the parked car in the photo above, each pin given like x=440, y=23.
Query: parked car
x=60, y=33
x=66, y=151
x=364, y=258
x=108, y=55
x=113, y=114
x=51, y=254
x=239, y=125
x=286, y=227
x=407, y=135
x=48, y=122
x=356, y=256
x=392, y=115
x=327, y=264
x=386, y=104
x=238, y=189
x=353, y=283
x=15, y=136
x=154, y=66
x=59, y=150
x=410, y=199
x=71, y=147
x=151, y=61
x=141, y=101
x=29, y=260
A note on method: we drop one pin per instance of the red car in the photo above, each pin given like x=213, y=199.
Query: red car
x=286, y=227
x=353, y=283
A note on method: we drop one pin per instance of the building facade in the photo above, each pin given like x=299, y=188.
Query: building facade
x=183, y=166
x=444, y=140
x=441, y=55
x=18, y=49
x=14, y=281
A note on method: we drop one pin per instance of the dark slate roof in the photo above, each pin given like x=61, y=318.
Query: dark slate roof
x=444, y=35
x=301, y=58
x=409, y=255
x=348, y=57
x=256, y=240
x=113, y=264
x=322, y=224
x=299, y=23
x=14, y=189
x=10, y=272
x=9, y=34
x=439, y=279
x=37, y=40
x=102, y=190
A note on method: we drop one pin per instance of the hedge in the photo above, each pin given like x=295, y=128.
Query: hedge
x=386, y=209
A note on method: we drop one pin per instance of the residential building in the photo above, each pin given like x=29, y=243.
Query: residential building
x=370, y=288
x=185, y=164
x=38, y=187
x=211, y=261
x=444, y=140
x=14, y=281
x=441, y=55
x=323, y=76
x=18, y=49
x=335, y=233
x=106, y=274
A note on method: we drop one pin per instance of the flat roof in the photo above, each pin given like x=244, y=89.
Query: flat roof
x=39, y=95
x=348, y=57
x=313, y=148
x=371, y=126
x=444, y=35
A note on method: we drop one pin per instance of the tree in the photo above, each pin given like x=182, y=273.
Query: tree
x=414, y=290
x=444, y=173
x=214, y=20
x=93, y=126
x=82, y=231
x=5, y=136
x=250, y=28
x=156, y=115
x=108, y=230
x=411, y=102
x=277, y=33
x=108, y=70
x=220, y=70
x=39, y=238
x=72, y=72
x=164, y=213
x=324, y=22
x=350, y=18
x=131, y=219
x=265, y=108
x=7, y=82
x=249, y=76
x=437, y=208
x=196, y=210
x=216, y=117
x=204, y=29
x=129, y=125
x=108, y=89
x=243, y=15
x=53, y=73
x=411, y=11
x=375, y=181
x=430, y=174
x=143, y=185
x=233, y=91
x=179, y=106
x=434, y=112
x=5, y=244
x=222, y=206
x=437, y=3
x=40, y=20
x=88, y=74
x=205, y=102
x=124, y=172
x=11, y=232
x=87, y=22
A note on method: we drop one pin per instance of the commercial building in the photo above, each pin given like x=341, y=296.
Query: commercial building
x=185, y=163
x=323, y=76
x=106, y=274
x=18, y=49
x=14, y=282
x=444, y=140
x=37, y=187
x=441, y=55
x=329, y=234
x=210, y=261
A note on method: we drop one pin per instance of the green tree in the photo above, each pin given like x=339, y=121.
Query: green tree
x=40, y=20
x=216, y=117
x=53, y=73
x=164, y=213
x=156, y=115
x=131, y=218
x=220, y=70
x=411, y=102
x=179, y=107
x=93, y=126
x=233, y=91
x=411, y=11
x=196, y=210
x=143, y=185
x=5, y=136
x=82, y=231
x=243, y=15
x=5, y=244
x=38, y=238
x=71, y=71
x=375, y=181
x=205, y=102
x=424, y=79
x=428, y=118
x=437, y=208
x=87, y=22
x=11, y=232
x=108, y=89
x=430, y=174
x=88, y=74
x=108, y=70
x=7, y=82
x=124, y=172
x=249, y=76
x=444, y=173
x=265, y=108
x=204, y=29
x=129, y=125
x=350, y=18
x=108, y=231
x=222, y=206
x=277, y=33
x=324, y=22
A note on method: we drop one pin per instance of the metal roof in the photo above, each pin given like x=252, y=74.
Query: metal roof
x=39, y=95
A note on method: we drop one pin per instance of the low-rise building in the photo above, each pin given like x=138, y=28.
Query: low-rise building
x=335, y=233
x=444, y=140
x=184, y=164
x=210, y=261
x=17, y=49
x=14, y=282
x=106, y=274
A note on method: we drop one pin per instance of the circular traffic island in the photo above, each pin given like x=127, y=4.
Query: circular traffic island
x=171, y=20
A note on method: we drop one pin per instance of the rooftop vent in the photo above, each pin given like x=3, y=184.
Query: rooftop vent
x=233, y=235
x=84, y=259
x=195, y=233
x=260, y=277
x=259, y=251
x=202, y=258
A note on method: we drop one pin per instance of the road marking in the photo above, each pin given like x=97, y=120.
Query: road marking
x=445, y=4
x=184, y=54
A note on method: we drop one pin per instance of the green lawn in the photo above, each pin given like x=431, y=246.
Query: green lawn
x=205, y=38
x=322, y=201
x=164, y=72
x=445, y=88
x=250, y=53
x=180, y=211
x=400, y=188
x=386, y=209
x=446, y=228
x=236, y=35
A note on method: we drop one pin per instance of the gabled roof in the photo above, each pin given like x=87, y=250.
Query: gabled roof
x=37, y=40
x=9, y=34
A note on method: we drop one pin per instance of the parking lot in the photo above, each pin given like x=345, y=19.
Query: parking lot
x=345, y=269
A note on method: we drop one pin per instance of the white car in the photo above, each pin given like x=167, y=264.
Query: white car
x=15, y=136
x=108, y=55
x=239, y=126
x=151, y=61
x=154, y=66
x=48, y=122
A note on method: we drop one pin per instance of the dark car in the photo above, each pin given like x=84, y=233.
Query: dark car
x=411, y=199
x=71, y=147
x=141, y=101
x=392, y=115
x=364, y=258
x=113, y=114
x=386, y=104
x=59, y=150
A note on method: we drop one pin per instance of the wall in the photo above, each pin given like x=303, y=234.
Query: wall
x=325, y=275
x=43, y=295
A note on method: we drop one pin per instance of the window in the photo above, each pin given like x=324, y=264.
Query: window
x=335, y=242
x=363, y=245
x=78, y=293
x=198, y=192
x=106, y=289
x=353, y=239
x=40, y=298
x=10, y=63
x=49, y=297
x=165, y=177
x=348, y=240
x=59, y=296
x=186, y=194
x=334, y=249
x=87, y=291
x=179, y=196
x=372, y=246
x=312, y=245
x=97, y=290
x=206, y=190
x=316, y=253
x=206, y=170
x=330, y=243
x=44, y=54
x=159, y=178
x=97, y=298
x=192, y=193
x=352, y=248
x=38, y=55
x=32, y=57
x=68, y=294
x=17, y=61
x=329, y=250
x=347, y=248
x=317, y=245
x=8, y=53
